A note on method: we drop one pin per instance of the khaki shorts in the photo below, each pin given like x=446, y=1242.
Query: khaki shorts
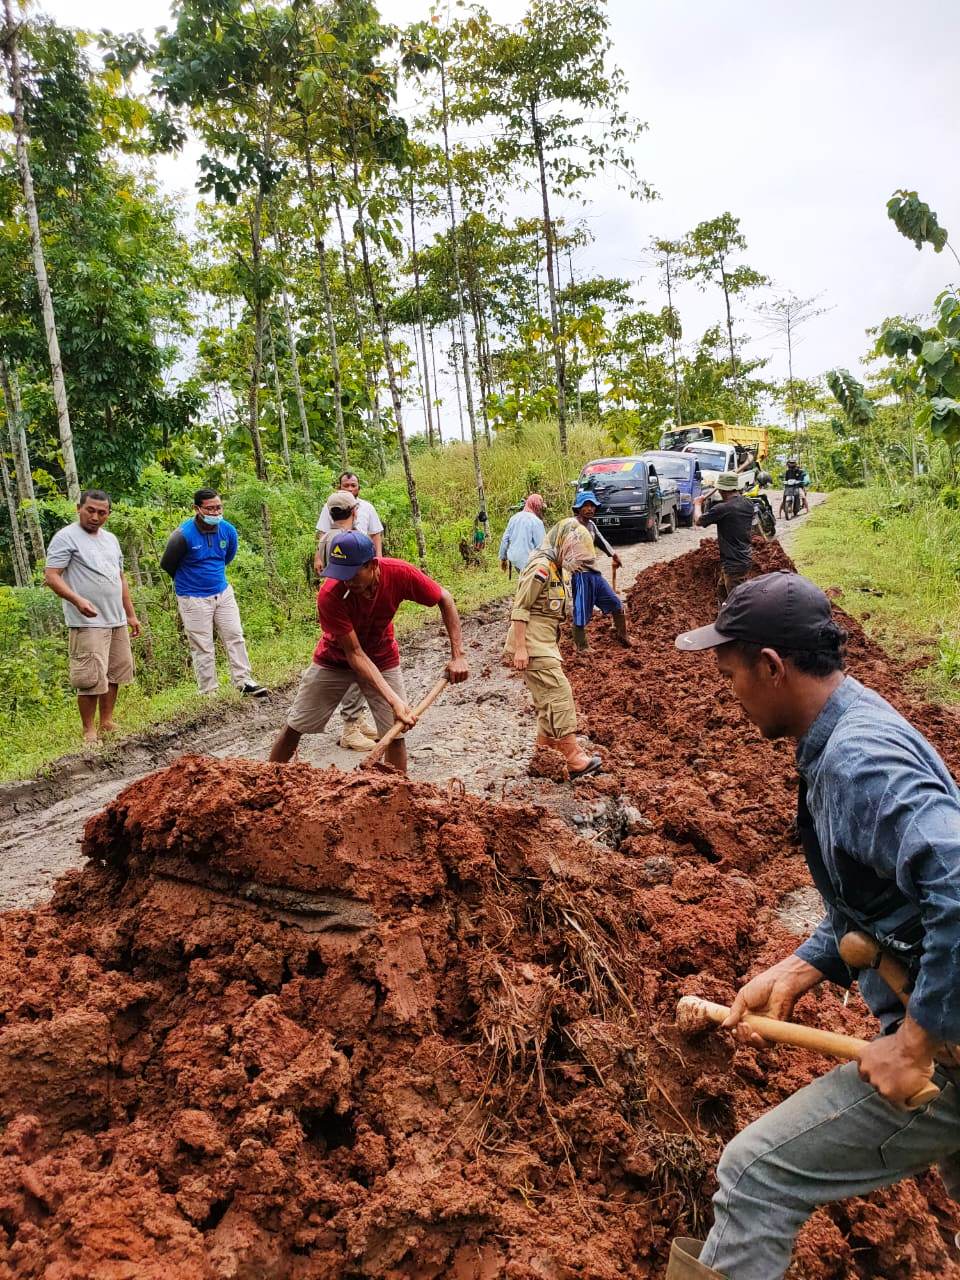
x=552, y=697
x=99, y=656
x=322, y=689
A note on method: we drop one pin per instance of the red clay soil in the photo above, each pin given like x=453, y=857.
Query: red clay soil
x=291, y=1023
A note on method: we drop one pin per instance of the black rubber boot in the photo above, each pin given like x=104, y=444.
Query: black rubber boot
x=620, y=629
x=580, y=639
x=684, y=1262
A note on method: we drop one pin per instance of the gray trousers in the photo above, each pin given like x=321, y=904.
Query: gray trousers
x=835, y=1138
x=354, y=704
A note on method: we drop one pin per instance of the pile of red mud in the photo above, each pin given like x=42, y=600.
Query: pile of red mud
x=291, y=1023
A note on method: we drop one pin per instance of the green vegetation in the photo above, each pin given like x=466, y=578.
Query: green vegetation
x=38, y=719
x=349, y=264
x=894, y=555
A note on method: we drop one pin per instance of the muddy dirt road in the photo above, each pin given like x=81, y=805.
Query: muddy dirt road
x=312, y=1025
x=480, y=733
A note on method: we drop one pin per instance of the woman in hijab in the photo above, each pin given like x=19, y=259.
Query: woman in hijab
x=523, y=534
x=539, y=607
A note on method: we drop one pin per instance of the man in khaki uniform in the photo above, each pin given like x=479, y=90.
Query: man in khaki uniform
x=533, y=641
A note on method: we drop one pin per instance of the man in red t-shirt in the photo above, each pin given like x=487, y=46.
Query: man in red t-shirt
x=355, y=608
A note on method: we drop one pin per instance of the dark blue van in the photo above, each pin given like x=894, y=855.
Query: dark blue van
x=684, y=470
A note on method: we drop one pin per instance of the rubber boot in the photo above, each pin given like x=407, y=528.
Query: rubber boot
x=578, y=762
x=580, y=639
x=684, y=1261
x=620, y=629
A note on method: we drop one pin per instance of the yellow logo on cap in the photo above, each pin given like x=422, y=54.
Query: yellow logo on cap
x=337, y=550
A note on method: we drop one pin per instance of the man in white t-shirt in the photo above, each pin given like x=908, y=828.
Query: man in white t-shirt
x=84, y=568
x=366, y=519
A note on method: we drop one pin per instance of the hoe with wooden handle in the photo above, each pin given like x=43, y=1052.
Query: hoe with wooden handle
x=860, y=951
x=398, y=728
x=694, y=1014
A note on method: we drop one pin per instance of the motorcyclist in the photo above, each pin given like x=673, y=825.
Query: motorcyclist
x=794, y=471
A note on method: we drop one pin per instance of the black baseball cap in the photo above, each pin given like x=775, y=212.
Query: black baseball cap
x=777, y=610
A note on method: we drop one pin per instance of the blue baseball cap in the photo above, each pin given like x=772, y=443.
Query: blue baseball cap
x=584, y=496
x=346, y=553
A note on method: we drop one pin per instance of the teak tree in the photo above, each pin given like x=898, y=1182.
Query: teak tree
x=558, y=103
x=708, y=250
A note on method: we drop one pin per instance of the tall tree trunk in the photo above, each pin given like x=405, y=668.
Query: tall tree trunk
x=281, y=248
x=18, y=548
x=481, y=367
x=21, y=460
x=456, y=378
x=295, y=373
x=794, y=407
x=677, y=416
x=320, y=249
x=256, y=372
x=436, y=387
x=551, y=278
x=392, y=382
x=146, y=631
x=281, y=407
x=576, y=349
x=458, y=281
x=256, y=363
x=369, y=381
x=334, y=355
x=733, y=354
x=39, y=263
x=487, y=364
x=420, y=324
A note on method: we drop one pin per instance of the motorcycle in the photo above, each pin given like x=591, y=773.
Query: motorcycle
x=763, y=515
x=762, y=510
x=792, y=498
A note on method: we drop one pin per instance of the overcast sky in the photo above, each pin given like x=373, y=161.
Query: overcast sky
x=799, y=118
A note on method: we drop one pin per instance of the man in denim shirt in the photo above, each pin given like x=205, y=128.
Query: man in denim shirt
x=881, y=820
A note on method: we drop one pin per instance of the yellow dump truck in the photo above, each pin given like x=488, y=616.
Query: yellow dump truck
x=756, y=439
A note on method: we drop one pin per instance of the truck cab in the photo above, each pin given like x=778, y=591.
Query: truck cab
x=715, y=458
x=755, y=440
x=633, y=497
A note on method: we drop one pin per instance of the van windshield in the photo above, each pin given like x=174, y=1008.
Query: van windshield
x=674, y=468
x=617, y=473
x=709, y=459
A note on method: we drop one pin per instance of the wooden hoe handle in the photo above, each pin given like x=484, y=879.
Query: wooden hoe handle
x=398, y=727
x=613, y=577
x=860, y=951
x=692, y=1009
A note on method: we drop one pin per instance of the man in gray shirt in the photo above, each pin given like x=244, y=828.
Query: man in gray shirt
x=85, y=569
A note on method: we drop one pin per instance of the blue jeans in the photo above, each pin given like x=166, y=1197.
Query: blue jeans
x=592, y=591
x=835, y=1138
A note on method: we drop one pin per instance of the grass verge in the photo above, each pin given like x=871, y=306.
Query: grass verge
x=276, y=660
x=896, y=560
x=32, y=739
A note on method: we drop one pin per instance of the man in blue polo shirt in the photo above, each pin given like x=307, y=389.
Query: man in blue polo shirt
x=196, y=557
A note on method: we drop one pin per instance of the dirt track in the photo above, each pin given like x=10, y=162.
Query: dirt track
x=480, y=733
x=317, y=1025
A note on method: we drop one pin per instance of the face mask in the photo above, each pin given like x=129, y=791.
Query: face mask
x=212, y=521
